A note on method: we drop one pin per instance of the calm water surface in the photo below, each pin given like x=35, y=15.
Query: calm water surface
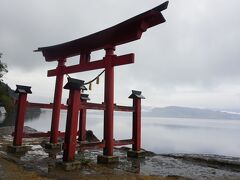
x=164, y=135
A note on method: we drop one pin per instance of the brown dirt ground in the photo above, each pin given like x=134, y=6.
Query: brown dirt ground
x=12, y=171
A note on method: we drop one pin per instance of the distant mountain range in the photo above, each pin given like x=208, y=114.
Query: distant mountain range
x=186, y=112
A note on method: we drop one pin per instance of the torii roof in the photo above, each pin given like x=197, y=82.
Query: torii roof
x=127, y=31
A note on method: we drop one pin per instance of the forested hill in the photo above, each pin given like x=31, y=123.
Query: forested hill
x=186, y=112
x=7, y=96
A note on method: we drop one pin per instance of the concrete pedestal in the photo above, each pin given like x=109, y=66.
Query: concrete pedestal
x=17, y=149
x=82, y=142
x=53, y=146
x=136, y=154
x=101, y=159
x=69, y=166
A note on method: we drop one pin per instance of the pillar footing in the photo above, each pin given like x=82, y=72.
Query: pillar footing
x=17, y=149
x=82, y=142
x=136, y=154
x=69, y=166
x=102, y=159
x=53, y=146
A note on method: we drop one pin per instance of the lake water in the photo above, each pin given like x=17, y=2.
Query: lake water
x=164, y=135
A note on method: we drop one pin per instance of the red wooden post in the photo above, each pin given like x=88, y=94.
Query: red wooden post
x=57, y=103
x=136, y=126
x=82, y=119
x=19, y=123
x=82, y=125
x=72, y=118
x=109, y=102
x=17, y=141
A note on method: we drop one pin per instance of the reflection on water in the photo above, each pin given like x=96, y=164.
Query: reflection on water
x=164, y=135
x=193, y=136
x=9, y=120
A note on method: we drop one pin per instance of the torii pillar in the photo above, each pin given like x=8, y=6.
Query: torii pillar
x=56, y=108
x=107, y=156
x=70, y=139
x=17, y=146
x=82, y=120
x=136, y=151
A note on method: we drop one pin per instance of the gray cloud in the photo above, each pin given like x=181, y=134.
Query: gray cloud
x=197, y=47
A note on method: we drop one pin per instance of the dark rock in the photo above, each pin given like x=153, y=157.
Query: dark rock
x=8, y=130
x=90, y=137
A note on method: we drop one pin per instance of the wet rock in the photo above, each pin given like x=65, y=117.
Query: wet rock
x=215, y=161
x=8, y=130
x=90, y=137
x=172, y=166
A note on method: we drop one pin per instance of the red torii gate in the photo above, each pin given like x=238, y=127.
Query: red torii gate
x=108, y=39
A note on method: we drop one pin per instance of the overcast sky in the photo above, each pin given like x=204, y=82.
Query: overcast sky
x=191, y=60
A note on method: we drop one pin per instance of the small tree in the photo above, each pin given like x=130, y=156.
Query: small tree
x=3, y=68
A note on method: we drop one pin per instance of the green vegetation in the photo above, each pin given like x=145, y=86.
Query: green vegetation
x=5, y=99
x=3, y=68
x=5, y=91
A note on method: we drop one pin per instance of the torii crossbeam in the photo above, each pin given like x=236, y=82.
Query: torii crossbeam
x=125, y=32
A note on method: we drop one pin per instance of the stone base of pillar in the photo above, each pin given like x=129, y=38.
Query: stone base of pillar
x=69, y=166
x=53, y=146
x=136, y=154
x=82, y=142
x=17, y=149
x=101, y=159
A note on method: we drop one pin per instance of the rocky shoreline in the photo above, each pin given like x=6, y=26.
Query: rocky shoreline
x=154, y=166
